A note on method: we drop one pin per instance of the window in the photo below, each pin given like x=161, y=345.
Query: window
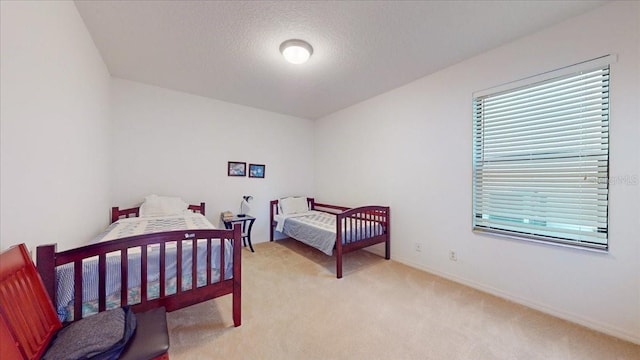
x=541, y=157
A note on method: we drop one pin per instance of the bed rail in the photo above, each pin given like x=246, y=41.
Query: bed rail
x=48, y=260
x=334, y=209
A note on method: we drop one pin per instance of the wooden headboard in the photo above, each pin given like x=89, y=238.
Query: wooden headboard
x=116, y=212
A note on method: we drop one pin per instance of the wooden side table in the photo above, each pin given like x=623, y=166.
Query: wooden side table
x=247, y=223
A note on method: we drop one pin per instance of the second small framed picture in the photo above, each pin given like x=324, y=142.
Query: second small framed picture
x=256, y=170
x=236, y=168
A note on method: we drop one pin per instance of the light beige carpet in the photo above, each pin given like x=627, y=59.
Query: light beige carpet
x=294, y=308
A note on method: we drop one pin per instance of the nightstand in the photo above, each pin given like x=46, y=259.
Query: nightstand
x=247, y=223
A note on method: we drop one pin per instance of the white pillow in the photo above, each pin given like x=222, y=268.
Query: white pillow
x=155, y=205
x=293, y=205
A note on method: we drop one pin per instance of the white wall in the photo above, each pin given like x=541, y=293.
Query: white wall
x=173, y=143
x=54, y=127
x=411, y=148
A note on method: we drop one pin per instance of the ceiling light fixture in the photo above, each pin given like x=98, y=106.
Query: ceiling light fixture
x=296, y=51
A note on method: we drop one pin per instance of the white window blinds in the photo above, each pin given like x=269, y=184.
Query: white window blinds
x=541, y=157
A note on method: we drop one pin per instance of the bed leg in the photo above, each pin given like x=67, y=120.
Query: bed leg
x=339, y=266
x=237, y=307
x=387, y=249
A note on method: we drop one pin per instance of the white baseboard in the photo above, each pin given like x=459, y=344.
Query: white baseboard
x=594, y=325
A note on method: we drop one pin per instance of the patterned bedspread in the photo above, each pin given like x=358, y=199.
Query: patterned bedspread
x=318, y=229
x=138, y=226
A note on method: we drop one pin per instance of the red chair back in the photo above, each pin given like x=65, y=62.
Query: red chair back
x=28, y=320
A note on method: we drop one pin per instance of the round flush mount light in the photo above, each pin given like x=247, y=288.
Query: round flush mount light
x=296, y=51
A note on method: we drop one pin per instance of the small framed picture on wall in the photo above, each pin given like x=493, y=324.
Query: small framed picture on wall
x=236, y=168
x=256, y=170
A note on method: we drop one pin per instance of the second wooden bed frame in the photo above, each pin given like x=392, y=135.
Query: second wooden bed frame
x=345, y=215
x=48, y=259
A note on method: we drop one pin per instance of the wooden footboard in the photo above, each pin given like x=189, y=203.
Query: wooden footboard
x=143, y=246
x=356, y=228
x=361, y=227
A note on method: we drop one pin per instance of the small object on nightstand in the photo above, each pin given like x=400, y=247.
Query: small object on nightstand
x=244, y=205
x=247, y=223
x=226, y=216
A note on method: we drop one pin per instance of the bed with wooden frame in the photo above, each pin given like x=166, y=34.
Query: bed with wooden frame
x=141, y=247
x=355, y=228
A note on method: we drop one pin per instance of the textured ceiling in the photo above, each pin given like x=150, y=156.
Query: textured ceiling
x=229, y=50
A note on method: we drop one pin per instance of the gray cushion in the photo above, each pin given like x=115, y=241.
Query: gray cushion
x=92, y=336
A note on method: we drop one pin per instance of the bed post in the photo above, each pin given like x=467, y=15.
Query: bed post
x=46, y=264
x=115, y=214
x=237, y=275
x=339, y=246
x=202, y=209
x=272, y=205
x=387, y=243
